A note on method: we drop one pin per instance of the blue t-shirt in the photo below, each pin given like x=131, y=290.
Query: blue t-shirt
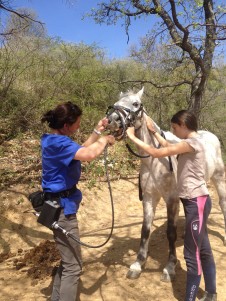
x=59, y=170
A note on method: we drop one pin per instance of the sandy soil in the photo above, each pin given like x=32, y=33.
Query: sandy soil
x=28, y=254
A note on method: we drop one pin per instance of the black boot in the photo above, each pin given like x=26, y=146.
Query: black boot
x=209, y=297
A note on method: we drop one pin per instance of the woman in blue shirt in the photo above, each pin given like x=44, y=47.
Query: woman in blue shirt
x=61, y=169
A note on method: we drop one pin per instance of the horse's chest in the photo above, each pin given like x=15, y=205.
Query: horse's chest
x=156, y=176
x=156, y=168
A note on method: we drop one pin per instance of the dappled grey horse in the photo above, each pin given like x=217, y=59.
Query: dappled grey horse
x=157, y=176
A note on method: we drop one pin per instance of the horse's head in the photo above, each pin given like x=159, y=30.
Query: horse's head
x=124, y=113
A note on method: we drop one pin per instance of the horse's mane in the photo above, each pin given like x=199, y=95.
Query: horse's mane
x=124, y=94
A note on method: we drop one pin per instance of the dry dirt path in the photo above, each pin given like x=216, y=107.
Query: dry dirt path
x=104, y=276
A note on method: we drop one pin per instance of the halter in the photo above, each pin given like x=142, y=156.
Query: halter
x=127, y=117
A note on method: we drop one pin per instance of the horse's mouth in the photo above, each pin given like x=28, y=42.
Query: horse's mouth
x=118, y=134
x=115, y=128
x=117, y=125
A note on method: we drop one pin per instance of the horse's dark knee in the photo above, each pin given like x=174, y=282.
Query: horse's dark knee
x=171, y=232
x=145, y=232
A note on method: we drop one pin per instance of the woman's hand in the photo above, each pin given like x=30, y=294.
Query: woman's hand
x=111, y=139
x=102, y=124
x=130, y=132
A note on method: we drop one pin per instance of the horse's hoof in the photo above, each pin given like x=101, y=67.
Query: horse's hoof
x=166, y=277
x=132, y=274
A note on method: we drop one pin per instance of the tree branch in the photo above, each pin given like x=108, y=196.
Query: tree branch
x=23, y=16
x=141, y=81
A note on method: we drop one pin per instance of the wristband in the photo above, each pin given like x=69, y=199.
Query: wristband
x=97, y=132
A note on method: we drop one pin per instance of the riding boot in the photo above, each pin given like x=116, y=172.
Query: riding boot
x=209, y=297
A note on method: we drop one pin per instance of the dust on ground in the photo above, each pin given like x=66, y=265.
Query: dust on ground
x=29, y=258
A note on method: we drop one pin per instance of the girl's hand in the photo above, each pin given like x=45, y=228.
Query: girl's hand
x=150, y=124
x=130, y=132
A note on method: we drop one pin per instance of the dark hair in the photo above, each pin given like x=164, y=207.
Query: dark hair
x=64, y=113
x=187, y=117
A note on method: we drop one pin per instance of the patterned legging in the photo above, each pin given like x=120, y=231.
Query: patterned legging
x=197, y=250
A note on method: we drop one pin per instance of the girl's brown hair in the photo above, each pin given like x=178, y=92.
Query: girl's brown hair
x=187, y=117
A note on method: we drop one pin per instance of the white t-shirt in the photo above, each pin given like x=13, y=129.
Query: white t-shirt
x=191, y=170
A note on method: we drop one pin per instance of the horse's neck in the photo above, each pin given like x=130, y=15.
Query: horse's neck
x=157, y=128
x=147, y=137
x=144, y=134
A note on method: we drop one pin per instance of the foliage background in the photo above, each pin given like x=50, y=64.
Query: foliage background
x=38, y=72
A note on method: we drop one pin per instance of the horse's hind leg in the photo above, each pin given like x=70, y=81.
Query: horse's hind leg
x=172, y=216
x=149, y=207
x=218, y=179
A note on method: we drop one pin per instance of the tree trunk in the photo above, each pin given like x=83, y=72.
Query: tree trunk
x=197, y=92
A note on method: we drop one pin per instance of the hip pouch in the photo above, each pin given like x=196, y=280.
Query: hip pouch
x=48, y=209
x=37, y=200
x=50, y=213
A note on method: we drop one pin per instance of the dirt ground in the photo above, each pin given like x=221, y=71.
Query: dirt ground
x=28, y=255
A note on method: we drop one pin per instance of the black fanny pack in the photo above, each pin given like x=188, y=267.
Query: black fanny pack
x=38, y=198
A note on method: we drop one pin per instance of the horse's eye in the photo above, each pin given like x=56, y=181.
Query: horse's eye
x=136, y=104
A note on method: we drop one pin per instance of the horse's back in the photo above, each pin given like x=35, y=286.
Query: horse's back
x=207, y=136
x=211, y=142
x=214, y=161
x=210, y=137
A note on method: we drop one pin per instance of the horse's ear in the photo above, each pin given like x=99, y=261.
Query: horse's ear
x=140, y=93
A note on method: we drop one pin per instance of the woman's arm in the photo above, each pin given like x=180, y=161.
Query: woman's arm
x=96, y=132
x=170, y=150
x=89, y=153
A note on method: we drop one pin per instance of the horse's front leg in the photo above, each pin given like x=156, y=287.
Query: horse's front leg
x=149, y=207
x=172, y=216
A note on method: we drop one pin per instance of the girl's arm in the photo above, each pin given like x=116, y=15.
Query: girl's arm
x=161, y=140
x=172, y=149
x=151, y=127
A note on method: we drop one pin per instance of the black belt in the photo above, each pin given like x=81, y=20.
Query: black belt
x=60, y=194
